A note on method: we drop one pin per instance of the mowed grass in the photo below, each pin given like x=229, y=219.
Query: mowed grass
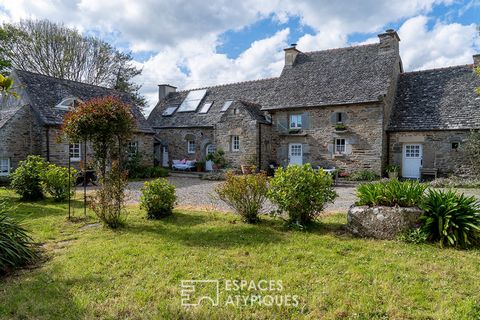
x=136, y=272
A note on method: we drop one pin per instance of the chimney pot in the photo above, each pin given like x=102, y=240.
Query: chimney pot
x=164, y=90
x=476, y=60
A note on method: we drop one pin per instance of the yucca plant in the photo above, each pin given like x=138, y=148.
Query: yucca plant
x=370, y=194
x=15, y=244
x=451, y=219
x=391, y=193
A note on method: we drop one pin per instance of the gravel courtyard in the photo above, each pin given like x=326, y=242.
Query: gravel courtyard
x=194, y=193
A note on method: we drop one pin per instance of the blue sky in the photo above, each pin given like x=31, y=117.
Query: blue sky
x=194, y=43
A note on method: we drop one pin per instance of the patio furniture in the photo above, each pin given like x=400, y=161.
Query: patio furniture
x=432, y=172
x=90, y=178
x=333, y=172
x=184, y=165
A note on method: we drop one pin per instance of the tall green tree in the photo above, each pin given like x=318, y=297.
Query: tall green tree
x=55, y=50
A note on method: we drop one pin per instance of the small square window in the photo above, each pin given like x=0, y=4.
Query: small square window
x=339, y=117
x=132, y=148
x=455, y=145
x=235, y=143
x=4, y=167
x=295, y=121
x=340, y=146
x=75, y=151
x=191, y=146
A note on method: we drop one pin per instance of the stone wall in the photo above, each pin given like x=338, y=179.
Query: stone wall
x=437, y=150
x=19, y=137
x=176, y=141
x=364, y=136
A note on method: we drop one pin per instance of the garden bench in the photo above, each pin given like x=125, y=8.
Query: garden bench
x=428, y=172
x=183, y=165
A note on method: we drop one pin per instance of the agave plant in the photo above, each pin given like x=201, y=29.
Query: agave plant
x=451, y=219
x=15, y=244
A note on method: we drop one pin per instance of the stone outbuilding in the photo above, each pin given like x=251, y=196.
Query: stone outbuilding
x=30, y=125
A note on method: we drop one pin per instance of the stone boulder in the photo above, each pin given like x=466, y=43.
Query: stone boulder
x=381, y=222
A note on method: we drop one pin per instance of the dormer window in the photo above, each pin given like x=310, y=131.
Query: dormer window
x=67, y=103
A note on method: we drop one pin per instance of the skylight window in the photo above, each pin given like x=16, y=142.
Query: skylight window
x=226, y=105
x=192, y=101
x=206, y=106
x=66, y=104
x=169, y=111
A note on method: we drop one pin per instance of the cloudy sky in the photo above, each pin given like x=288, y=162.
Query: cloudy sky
x=193, y=43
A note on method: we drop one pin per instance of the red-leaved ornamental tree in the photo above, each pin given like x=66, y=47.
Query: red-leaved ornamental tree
x=107, y=123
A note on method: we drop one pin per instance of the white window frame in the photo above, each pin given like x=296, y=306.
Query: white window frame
x=340, y=148
x=295, y=121
x=2, y=166
x=79, y=153
x=235, y=142
x=191, y=146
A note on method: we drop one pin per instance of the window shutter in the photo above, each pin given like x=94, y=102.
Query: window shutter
x=333, y=118
x=306, y=148
x=282, y=155
x=344, y=117
x=282, y=124
x=306, y=120
x=330, y=148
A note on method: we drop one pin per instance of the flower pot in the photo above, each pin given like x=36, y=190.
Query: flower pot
x=393, y=175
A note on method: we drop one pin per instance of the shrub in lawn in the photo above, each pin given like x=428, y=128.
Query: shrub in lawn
x=245, y=194
x=391, y=193
x=451, y=219
x=158, y=198
x=56, y=181
x=302, y=192
x=15, y=244
x=27, y=178
x=108, y=203
x=364, y=175
x=414, y=235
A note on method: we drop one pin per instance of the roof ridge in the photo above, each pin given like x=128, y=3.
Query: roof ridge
x=228, y=84
x=343, y=48
x=437, y=69
x=68, y=80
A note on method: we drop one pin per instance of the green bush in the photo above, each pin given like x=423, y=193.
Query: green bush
x=108, y=203
x=55, y=181
x=414, y=235
x=391, y=193
x=451, y=219
x=158, y=198
x=27, y=178
x=245, y=194
x=144, y=172
x=15, y=244
x=302, y=192
x=364, y=175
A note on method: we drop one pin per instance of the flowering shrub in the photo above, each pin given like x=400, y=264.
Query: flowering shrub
x=56, y=181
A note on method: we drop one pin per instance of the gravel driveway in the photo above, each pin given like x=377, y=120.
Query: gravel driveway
x=194, y=193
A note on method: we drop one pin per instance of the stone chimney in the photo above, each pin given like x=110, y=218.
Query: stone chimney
x=164, y=90
x=290, y=54
x=389, y=40
x=476, y=60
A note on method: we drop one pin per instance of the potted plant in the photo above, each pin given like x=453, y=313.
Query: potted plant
x=218, y=159
x=248, y=164
x=392, y=171
x=200, y=166
x=340, y=127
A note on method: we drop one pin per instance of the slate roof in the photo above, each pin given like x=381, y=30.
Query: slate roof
x=438, y=99
x=253, y=93
x=348, y=75
x=45, y=92
x=6, y=115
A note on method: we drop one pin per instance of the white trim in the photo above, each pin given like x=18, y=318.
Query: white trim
x=295, y=154
x=235, y=143
x=79, y=153
x=412, y=159
x=4, y=173
x=295, y=121
x=340, y=148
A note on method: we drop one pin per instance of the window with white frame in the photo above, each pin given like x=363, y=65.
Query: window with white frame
x=75, y=151
x=4, y=167
x=235, y=143
x=191, y=146
x=295, y=121
x=132, y=148
x=340, y=146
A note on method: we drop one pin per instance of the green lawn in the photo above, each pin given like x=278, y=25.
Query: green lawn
x=135, y=273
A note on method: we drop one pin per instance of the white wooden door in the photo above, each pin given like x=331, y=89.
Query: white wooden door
x=412, y=160
x=209, y=164
x=164, y=156
x=295, y=154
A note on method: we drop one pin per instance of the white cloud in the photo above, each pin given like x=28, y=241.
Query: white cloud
x=443, y=45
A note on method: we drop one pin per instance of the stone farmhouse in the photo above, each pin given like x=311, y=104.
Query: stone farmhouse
x=352, y=108
x=31, y=124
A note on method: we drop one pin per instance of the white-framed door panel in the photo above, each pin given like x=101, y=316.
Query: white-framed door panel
x=295, y=154
x=412, y=160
